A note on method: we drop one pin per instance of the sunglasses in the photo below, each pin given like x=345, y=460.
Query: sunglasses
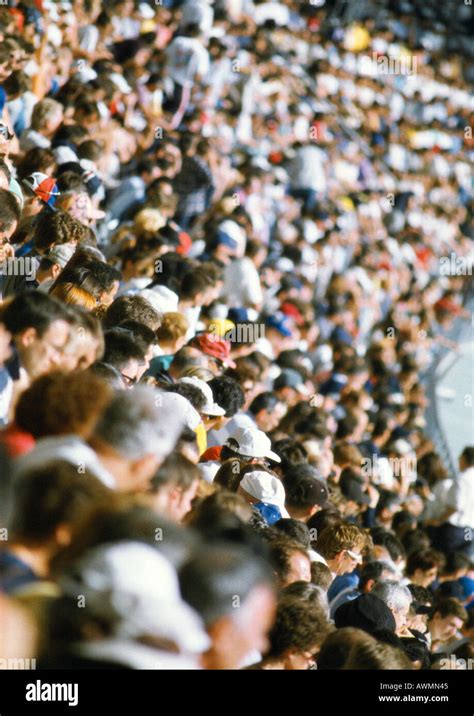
x=354, y=555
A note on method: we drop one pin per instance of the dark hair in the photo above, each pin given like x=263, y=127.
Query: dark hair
x=134, y=308
x=109, y=374
x=447, y=607
x=281, y=551
x=57, y=227
x=5, y=169
x=299, y=626
x=211, y=581
x=295, y=530
x=468, y=455
x=291, y=453
x=191, y=392
x=346, y=426
x=121, y=347
x=386, y=539
x=424, y=559
x=263, y=401
x=51, y=495
x=142, y=335
x=228, y=394
x=61, y=404
x=177, y=471
x=33, y=309
x=371, y=570
x=455, y=561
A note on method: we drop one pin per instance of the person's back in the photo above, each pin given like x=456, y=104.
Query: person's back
x=186, y=59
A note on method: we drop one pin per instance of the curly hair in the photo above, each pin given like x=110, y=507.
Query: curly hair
x=61, y=404
x=299, y=626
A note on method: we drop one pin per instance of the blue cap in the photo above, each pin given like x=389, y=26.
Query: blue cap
x=270, y=513
x=280, y=323
x=238, y=315
x=223, y=238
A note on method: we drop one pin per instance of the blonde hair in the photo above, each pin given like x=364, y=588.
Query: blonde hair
x=336, y=538
x=174, y=326
x=43, y=111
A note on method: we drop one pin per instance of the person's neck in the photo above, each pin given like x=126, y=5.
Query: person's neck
x=37, y=558
x=109, y=459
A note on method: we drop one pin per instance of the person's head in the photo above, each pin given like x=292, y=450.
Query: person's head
x=124, y=353
x=62, y=404
x=420, y=608
x=172, y=332
x=447, y=619
x=456, y=565
x=295, y=530
x=338, y=645
x=466, y=459
x=291, y=562
x=422, y=567
x=228, y=394
x=134, y=437
x=307, y=592
x=174, y=486
x=40, y=328
x=341, y=547
x=305, y=493
x=373, y=572
x=132, y=308
x=73, y=295
x=397, y=598
x=267, y=411
x=9, y=216
x=57, y=228
x=144, y=338
x=299, y=629
x=47, y=117
x=391, y=545
x=49, y=501
x=232, y=590
x=376, y=655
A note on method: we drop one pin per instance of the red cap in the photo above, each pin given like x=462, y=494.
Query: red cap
x=213, y=346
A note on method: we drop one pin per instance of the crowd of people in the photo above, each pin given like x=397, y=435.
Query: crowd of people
x=232, y=241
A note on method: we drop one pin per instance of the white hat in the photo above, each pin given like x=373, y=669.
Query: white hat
x=210, y=408
x=161, y=298
x=175, y=404
x=265, y=488
x=252, y=442
x=136, y=585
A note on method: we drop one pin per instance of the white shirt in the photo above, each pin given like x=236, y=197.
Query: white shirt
x=461, y=496
x=307, y=169
x=69, y=448
x=186, y=58
x=242, y=283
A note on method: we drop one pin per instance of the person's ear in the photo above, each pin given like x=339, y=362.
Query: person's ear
x=56, y=270
x=369, y=585
x=312, y=510
x=62, y=535
x=142, y=470
x=28, y=336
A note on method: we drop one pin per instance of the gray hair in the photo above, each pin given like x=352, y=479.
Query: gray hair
x=395, y=595
x=135, y=424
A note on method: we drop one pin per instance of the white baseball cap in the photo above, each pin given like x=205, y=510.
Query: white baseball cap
x=136, y=586
x=211, y=407
x=265, y=488
x=252, y=442
x=175, y=404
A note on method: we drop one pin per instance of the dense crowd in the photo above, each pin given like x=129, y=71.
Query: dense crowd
x=233, y=236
